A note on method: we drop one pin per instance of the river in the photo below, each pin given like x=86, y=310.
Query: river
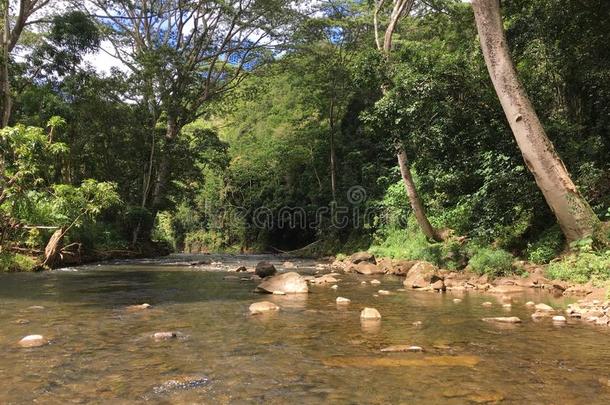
x=312, y=351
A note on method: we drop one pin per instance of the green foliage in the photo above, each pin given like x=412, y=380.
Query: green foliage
x=493, y=262
x=409, y=244
x=546, y=247
x=581, y=267
x=15, y=262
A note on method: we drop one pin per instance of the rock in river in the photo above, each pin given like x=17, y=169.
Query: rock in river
x=265, y=269
x=262, y=307
x=367, y=268
x=402, y=348
x=288, y=283
x=421, y=275
x=363, y=257
x=343, y=300
x=503, y=319
x=164, y=335
x=370, y=313
x=33, y=341
x=544, y=307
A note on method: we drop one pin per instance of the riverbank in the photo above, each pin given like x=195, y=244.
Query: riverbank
x=591, y=302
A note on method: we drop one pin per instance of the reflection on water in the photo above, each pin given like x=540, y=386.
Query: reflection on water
x=312, y=349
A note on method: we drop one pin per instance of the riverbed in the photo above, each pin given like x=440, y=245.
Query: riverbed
x=311, y=351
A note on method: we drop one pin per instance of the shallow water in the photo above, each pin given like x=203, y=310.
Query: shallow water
x=312, y=351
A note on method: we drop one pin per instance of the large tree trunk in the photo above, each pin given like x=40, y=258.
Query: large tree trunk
x=333, y=174
x=416, y=205
x=575, y=216
x=400, y=9
x=163, y=172
x=5, y=83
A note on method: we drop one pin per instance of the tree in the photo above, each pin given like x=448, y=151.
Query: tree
x=186, y=54
x=11, y=32
x=574, y=215
x=401, y=8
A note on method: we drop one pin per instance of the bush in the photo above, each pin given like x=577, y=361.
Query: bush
x=546, y=247
x=408, y=244
x=581, y=267
x=16, y=262
x=493, y=262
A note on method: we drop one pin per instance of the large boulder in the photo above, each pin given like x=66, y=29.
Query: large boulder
x=360, y=257
x=368, y=268
x=402, y=267
x=421, y=275
x=287, y=283
x=265, y=269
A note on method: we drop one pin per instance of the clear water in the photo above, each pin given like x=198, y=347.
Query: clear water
x=312, y=351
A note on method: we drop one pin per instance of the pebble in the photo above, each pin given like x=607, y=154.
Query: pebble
x=417, y=323
x=343, y=300
x=559, y=319
x=507, y=306
x=487, y=304
x=530, y=304
x=383, y=292
x=402, y=348
x=164, y=335
x=543, y=307
x=375, y=282
x=138, y=307
x=457, y=300
x=503, y=319
x=334, y=287
x=33, y=341
x=370, y=313
x=263, y=306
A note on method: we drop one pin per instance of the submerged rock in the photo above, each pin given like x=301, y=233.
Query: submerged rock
x=181, y=383
x=241, y=269
x=503, y=319
x=343, y=300
x=325, y=279
x=487, y=304
x=262, y=307
x=138, y=307
x=544, y=307
x=265, y=269
x=370, y=313
x=373, y=282
x=402, y=348
x=384, y=292
x=288, y=283
x=33, y=341
x=164, y=335
x=559, y=319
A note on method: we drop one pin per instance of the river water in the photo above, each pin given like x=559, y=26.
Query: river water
x=312, y=351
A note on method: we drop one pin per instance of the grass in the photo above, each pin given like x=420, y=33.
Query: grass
x=493, y=262
x=408, y=245
x=10, y=262
x=581, y=267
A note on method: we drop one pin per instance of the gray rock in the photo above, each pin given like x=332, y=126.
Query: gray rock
x=265, y=269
